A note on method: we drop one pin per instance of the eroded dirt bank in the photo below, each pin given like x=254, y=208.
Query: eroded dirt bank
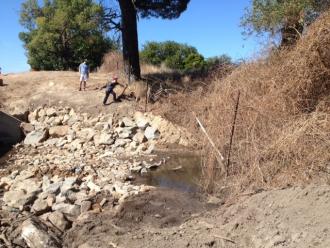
x=292, y=217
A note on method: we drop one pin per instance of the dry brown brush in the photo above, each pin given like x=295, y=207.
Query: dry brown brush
x=112, y=62
x=282, y=133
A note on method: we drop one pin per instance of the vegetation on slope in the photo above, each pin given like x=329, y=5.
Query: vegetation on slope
x=283, y=125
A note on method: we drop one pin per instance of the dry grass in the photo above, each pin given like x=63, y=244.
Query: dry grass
x=283, y=127
x=112, y=62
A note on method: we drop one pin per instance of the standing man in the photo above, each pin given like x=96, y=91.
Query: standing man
x=109, y=87
x=84, y=74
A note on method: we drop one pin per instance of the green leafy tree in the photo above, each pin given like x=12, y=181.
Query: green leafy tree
x=61, y=33
x=284, y=17
x=174, y=55
x=194, y=61
x=129, y=11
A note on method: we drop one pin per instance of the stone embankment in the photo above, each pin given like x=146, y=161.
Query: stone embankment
x=70, y=164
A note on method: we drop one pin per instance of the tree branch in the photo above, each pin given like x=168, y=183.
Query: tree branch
x=110, y=17
x=299, y=34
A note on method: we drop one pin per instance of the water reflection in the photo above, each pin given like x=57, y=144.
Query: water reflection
x=181, y=172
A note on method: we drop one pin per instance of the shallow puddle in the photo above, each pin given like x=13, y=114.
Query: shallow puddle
x=182, y=171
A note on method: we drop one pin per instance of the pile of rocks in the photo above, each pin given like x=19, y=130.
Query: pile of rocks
x=59, y=190
x=71, y=164
x=67, y=129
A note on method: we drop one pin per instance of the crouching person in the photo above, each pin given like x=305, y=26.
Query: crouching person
x=109, y=89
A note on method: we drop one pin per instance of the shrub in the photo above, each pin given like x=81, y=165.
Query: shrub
x=218, y=61
x=173, y=55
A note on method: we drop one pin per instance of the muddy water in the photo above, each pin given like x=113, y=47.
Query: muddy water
x=182, y=171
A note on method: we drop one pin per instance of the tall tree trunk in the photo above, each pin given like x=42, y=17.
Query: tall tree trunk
x=130, y=38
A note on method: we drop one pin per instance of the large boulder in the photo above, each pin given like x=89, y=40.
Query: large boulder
x=141, y=121
x=18, y=198
x=36, y=235
x=58, y=131
x=70, y=210
x=68, y=184
x=26, y=183
x=53, y=188
x=51, y=112
x=40, y=206
x=127, y=122
x=86, y=134
x=125, y=132
x=58, y=220
x=23, y=191
x=151, y=133
x=103, y=139
x=36, y=137
x=139, y=138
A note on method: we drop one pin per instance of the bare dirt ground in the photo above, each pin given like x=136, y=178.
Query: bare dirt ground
x=290, y=217
x=32, y=89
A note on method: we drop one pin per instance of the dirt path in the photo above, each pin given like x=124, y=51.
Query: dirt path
x=32, y=89
x=293, y=217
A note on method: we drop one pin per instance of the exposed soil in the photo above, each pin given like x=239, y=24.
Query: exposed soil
x=292, y=217
x=157, y=209
x=33, y=89
x=160, y=209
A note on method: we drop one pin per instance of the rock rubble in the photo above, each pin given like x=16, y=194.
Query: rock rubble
x=70, y=164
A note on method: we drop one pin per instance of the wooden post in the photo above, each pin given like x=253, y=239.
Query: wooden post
x=145, y=106
x=232, y=132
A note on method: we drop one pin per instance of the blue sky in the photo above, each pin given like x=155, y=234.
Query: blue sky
x=212, y=26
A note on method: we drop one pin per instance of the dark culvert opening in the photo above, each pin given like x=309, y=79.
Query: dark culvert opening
x=10, y=132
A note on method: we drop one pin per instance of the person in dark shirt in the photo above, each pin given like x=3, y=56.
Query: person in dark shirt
x=109, y=89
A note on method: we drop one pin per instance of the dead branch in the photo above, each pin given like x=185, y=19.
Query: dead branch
x=219, y=155
x=224, y=238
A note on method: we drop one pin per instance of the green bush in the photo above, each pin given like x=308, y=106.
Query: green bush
x=217, y=61
x=195, y=62
x=173, y=55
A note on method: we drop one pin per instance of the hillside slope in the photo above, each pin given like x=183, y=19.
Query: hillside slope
x=283, y=124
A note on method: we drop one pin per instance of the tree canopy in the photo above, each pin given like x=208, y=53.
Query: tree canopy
x=285, y=17
x=61, y=33
x=129, y=10
x=180, y=56
x=173, y=55
x=161, y=8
